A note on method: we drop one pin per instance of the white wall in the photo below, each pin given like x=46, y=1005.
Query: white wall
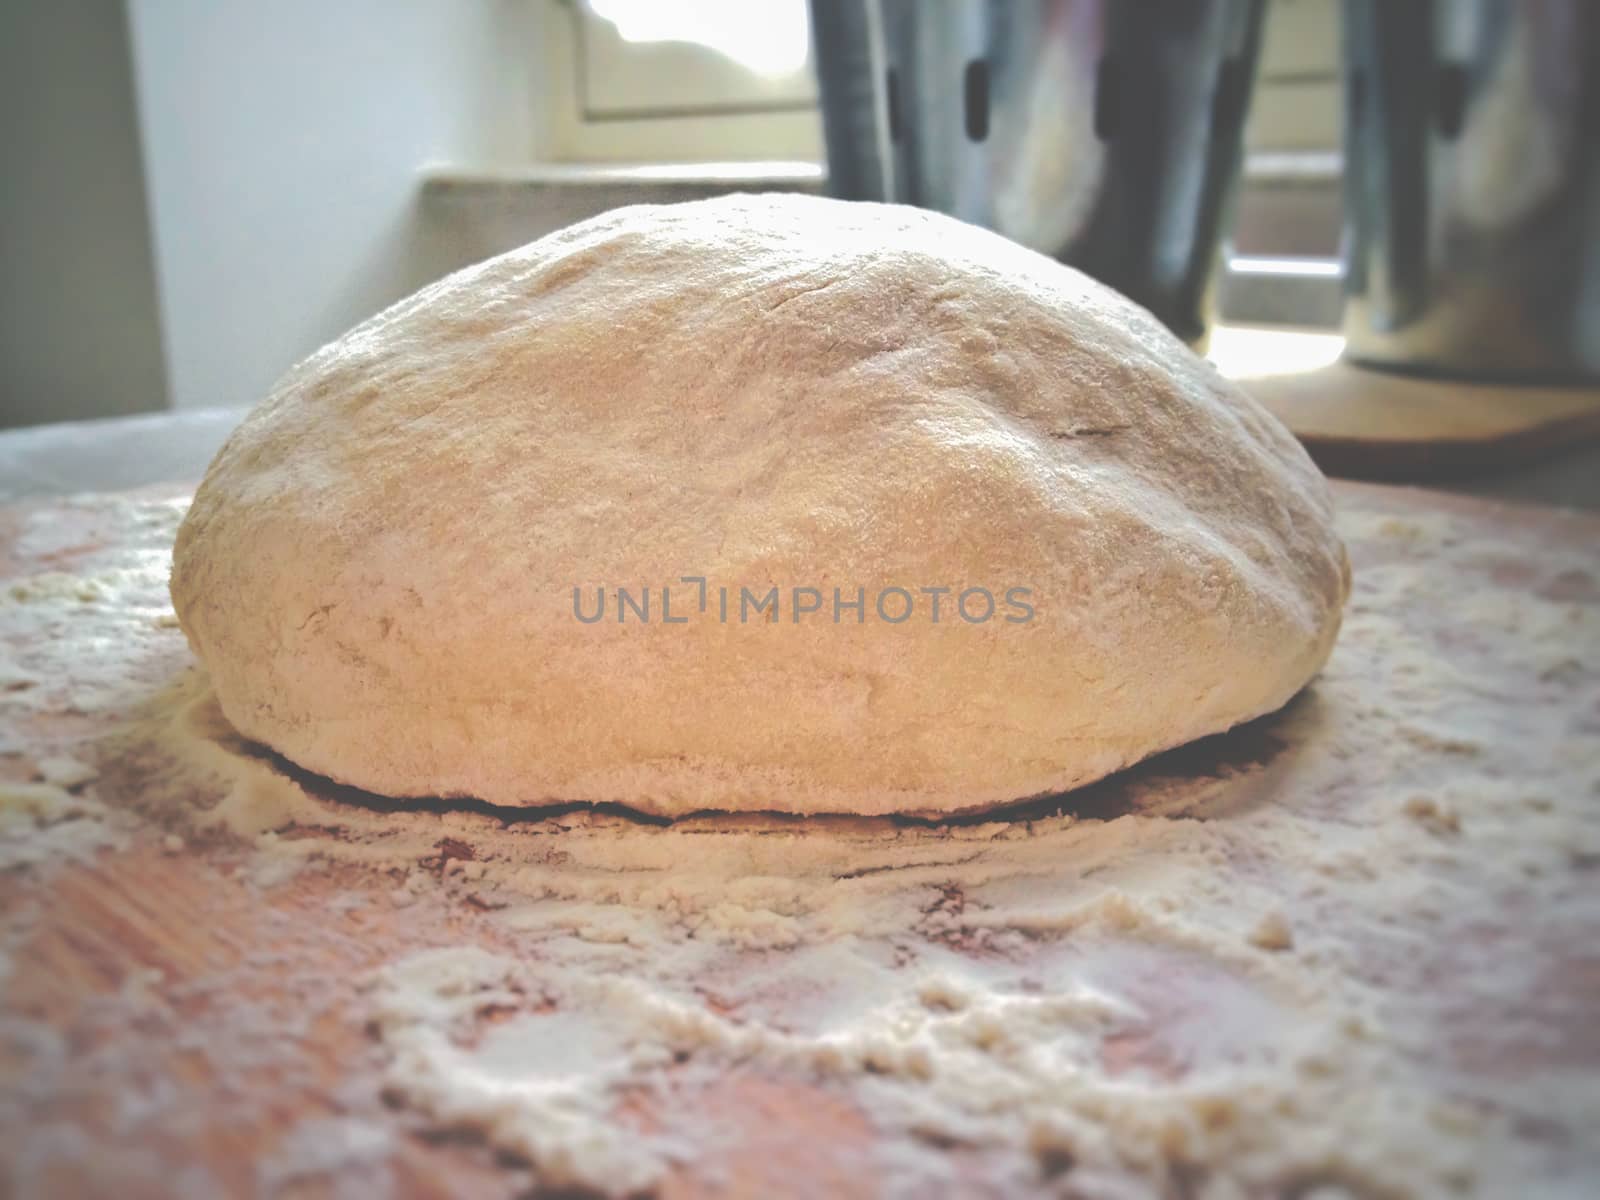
x=283, y=141
x=79, y=333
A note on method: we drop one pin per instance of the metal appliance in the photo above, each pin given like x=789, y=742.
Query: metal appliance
x=1472, y=188
x=1105, y=133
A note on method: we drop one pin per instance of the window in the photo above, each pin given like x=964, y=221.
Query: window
x=627, y=77
x=673, y=81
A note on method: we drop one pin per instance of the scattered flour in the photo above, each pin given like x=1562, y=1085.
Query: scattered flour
x=323, y=1147
x=65, y=772
x=42, y=822
x=543, y=1085
x=1337, y=952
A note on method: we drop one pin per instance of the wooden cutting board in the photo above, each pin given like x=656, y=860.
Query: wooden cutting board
x=146, y=920
x=1359, y=423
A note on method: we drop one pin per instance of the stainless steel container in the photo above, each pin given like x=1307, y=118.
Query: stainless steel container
x=1472, y=187
x=1105, y=133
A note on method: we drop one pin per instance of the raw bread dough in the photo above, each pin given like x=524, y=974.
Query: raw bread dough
x=385, y=566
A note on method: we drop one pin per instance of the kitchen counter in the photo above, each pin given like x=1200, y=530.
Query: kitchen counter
x=1346, y=948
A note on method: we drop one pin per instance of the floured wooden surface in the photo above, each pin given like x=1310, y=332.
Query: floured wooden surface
x=1353, y=945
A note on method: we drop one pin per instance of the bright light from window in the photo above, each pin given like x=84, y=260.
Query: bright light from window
x=1245, y=353
x=769, y=37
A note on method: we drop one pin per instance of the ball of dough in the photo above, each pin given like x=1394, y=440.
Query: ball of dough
x=879, y=511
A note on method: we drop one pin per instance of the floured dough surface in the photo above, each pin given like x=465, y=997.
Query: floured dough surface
x=791, y=402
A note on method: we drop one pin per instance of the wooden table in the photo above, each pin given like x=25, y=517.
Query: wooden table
x=136, y=974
